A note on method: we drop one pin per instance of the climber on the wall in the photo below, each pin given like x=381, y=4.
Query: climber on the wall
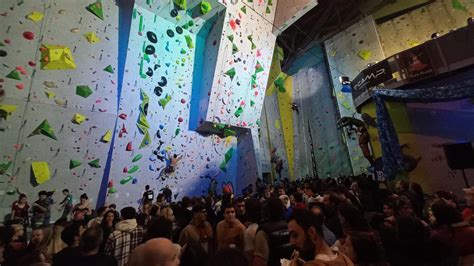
x=275, y=159
x=364, y=140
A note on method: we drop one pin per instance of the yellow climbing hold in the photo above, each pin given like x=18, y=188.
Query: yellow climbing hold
x=92, y=37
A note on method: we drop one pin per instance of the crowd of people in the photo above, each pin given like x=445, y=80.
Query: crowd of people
x=345, y=221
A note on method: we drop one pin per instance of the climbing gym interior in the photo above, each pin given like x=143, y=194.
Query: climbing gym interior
x=104, y=97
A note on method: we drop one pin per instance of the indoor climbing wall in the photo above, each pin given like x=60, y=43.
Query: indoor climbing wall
x=154, y=115
x=244, y=57
x=417, y=26
x=59, y=62
x=432, y=124
x=315, y=122
x=348, y=53
x=290, y=11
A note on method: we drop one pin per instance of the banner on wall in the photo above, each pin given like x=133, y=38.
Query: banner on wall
x=368, y=78
x=416, y=64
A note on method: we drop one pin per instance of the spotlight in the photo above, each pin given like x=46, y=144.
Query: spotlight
x=435, y=35
x=344, y=80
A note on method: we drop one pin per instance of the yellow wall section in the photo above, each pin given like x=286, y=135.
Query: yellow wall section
x=401, y=121
x=286, y=113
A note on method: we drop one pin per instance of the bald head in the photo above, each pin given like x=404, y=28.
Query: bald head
x=155, y=252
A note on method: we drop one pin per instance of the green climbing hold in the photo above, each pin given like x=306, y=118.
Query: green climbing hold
x=126, y=180
x=96, y=9
x=230, y=37
x=244, y=9
x=146, y=140
x=163, y=102
x=94, y=163
x=279, y=84
x=252, y=103
x=176, y=132
x=459, y=6
x=109, y=69
x=44, y=129
x=229, y=132
x=183, y=51
x=74, y=163
x=137, y=158
x=206, y=7
x=181, y=4
x=12, y=191
x=223, y=166
x=189, y=41
x=4, y=167
x=112, y=190
x=133, y=169
x=220, y=126
x=239, y=111
x=231, y=73
x=270, y=2
x=268, y=10
x=14, y=75
x=228, y=155
x=258, y=68
x=83, y=91
x=253, y=46
x=235, y=49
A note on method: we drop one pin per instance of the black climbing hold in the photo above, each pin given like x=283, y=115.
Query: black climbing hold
x=151, y=37
x=149, y=72
x=150, y=49
x=170, y=33
x=163, y=81
x=158, y=91
x=3, y=53
x=145, y=109
x=156, y=66
x=174, y=13
x=179, y=30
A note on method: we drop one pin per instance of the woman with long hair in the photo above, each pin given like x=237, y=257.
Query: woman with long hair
x=108, y=225
x=20, y=209
x=15, y=244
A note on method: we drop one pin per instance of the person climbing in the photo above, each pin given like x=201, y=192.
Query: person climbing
x=364, y=139
x=173, y=161
x=277, y=161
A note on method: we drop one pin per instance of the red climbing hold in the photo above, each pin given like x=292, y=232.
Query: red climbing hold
x=20, y=86
x=31, y=63
x=232, y=23
x=7, y=41
x=180, y=119
x=125, y=169
x=129, y=146
x=123, y=116
x=28, y=35
x=111, y=184
x=183, y=101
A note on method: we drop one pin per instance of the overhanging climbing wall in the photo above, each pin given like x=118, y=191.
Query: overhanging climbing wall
x=155, y=107
x=348, y=53
x=59, y=74
x=242, y=67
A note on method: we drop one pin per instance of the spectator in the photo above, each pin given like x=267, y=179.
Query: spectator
x=15, y=245
x=307, y=237
x=107, y=225
x=71, y=236
x=193, y=255
x=125, y=238
x=272, y=239
x=82, y=209
x=89, y=246
x=240, y=210
x=98, y=220
x=20, y=210
x=198, y=230
x=229, y=257
x=468, y=212
x=66, y=204
x=253, y=209
x=41, y=210
x=160, y=227
x=158, y=251
x=230, y=231
x=55, y=243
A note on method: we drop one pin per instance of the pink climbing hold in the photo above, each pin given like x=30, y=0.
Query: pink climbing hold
x=129, y=146
x=242, y=102
x=21, y=69
x=180, y=119
x=20, y=86
x=123, y=116
x=232, y=24
x=29, y=35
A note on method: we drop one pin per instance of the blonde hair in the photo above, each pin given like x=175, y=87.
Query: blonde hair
x=167, y=213
x=55, y=243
